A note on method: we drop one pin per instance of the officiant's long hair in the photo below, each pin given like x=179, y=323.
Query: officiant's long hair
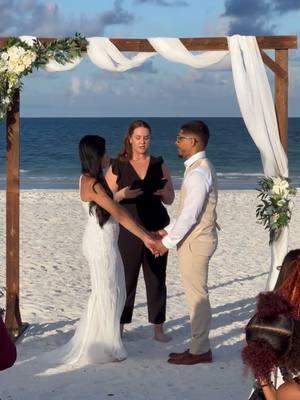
x=126, y=150
x=91, y=153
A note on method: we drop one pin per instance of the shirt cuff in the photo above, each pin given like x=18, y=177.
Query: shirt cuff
x=167, y=242
x=170, y=226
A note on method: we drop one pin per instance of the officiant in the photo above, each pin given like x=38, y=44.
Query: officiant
x=142, y=184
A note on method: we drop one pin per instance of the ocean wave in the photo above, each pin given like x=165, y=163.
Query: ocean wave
x=238, y=174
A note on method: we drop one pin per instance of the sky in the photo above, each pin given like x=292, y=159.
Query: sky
x=159, y=88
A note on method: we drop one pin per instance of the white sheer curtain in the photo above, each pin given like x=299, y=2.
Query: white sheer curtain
x=257, y=108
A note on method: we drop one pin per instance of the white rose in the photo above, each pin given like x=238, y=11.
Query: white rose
x=15, y=66
x=16, y=51
x=277, y=180
x=276, y=189
x=4, y=56
x=280, y=187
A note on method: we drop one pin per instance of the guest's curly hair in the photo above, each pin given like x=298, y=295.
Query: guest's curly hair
x=273, y=337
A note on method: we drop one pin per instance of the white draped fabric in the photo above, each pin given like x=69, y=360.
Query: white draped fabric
x=173, y=50
x=258, y=111
x=252, y=89
x=52, y=65
x=103, y=53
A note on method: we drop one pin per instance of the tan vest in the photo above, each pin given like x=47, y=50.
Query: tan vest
x=204, y=231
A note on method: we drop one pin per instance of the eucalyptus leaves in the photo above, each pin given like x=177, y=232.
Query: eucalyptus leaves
x=275, y=208
x=18, y=59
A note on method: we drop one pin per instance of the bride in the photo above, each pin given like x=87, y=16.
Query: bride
x=97, y=338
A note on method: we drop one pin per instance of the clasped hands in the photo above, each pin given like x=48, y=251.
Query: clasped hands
x=158, y=249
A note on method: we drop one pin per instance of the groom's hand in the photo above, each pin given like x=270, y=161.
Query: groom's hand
x=160, y=248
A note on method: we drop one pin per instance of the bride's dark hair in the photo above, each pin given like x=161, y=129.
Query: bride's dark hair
x=91, y=152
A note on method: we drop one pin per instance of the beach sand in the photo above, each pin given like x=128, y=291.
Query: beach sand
x=55, y=286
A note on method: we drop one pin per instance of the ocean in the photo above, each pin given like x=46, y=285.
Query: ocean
x=49, y=149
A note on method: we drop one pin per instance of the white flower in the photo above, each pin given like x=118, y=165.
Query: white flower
x=274, y=219
x=281, y=202
x=15, y=52
x=280, y=186
x=4, y=56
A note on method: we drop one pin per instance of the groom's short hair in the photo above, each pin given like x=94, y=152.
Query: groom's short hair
x=198, y=128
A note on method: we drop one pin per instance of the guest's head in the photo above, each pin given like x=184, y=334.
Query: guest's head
x=136, y=141
x=91, y=153
x=192, y=138
x=272, y=337
x=288, y=266
x=288, y=282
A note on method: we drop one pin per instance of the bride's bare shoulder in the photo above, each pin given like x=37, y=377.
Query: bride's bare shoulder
x=88, y=188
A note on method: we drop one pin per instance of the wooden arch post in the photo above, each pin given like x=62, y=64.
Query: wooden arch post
x=13, y=316
x=281, y=96
x=281, y=45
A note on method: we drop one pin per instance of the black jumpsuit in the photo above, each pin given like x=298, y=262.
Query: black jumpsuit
x=149, y=211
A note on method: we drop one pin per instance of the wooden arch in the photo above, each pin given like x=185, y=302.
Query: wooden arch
x=281, y=45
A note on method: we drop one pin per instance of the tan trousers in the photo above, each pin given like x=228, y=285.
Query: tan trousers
x=193, y=265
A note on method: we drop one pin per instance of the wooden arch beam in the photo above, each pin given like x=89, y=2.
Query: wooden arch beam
x=192, y=44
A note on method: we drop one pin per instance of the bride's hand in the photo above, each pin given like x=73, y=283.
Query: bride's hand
x=151, y=244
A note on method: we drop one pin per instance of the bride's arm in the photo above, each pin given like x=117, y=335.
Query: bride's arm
x=99, y=196
x=111, y=180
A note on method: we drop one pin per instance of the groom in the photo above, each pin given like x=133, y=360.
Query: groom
x=195, y=235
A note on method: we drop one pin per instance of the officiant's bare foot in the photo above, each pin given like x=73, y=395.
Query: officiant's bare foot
x=159, y=334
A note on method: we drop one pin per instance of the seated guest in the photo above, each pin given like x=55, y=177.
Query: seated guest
x=273, y=340
x=288, y=282
x=8, y=353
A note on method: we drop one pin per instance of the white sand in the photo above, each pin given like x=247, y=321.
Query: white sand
x=55, y=286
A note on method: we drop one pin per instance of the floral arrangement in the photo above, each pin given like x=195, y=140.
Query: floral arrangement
x=275, y=208
x=18, y=59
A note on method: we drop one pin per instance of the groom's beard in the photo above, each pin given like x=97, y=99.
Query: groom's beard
x=179, y=154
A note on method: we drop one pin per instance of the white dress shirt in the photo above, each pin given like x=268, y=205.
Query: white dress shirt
x=197, y=183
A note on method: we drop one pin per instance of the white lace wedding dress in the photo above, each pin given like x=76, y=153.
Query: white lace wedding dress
x=97, y=336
